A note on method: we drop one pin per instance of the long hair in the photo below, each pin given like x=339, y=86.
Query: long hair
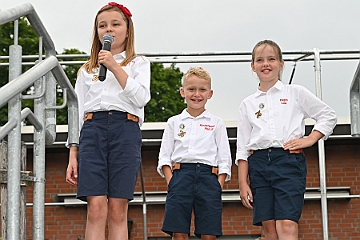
x=97, y=45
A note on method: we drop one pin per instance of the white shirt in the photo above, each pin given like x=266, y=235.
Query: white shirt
x=108, y=95
x=201, y=139
x=283, y=110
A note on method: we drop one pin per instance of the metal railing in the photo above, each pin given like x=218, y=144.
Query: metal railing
x=43, y=75
x=50, y=67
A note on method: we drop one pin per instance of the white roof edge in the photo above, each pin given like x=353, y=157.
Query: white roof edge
x=161, y=125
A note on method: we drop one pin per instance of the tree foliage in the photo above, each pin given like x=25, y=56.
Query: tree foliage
x=165, y=96
x=165, y=81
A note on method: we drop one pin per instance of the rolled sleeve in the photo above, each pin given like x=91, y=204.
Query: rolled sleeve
x=137, y=87
x=323, y=114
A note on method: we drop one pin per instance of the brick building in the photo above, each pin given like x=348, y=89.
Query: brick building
x=65, y=216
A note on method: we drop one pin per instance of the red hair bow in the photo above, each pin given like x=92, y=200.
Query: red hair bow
x=121, y=7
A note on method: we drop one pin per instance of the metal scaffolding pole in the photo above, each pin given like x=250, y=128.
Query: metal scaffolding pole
x=322, y=167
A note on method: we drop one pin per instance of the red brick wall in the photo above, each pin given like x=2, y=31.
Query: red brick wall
x=342, y=167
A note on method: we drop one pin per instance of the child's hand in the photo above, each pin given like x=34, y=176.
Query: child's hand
x=303, y=142
x=246, y=196
x=72, y=169
x=221, y=180
x=295, y=144
x=106, y=58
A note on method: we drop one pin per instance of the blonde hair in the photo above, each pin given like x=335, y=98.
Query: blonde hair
x=97, y=46
x=199, y=72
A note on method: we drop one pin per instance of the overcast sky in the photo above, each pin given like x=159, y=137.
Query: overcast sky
x=169, y=26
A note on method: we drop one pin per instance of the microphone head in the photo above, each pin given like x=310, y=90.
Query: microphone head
x=108, y=38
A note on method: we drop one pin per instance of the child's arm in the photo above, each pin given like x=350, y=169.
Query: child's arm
x=245, y=192
x=303, y=142
x=167, y=172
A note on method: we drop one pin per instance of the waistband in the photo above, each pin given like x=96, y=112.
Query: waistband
x=131, y=117
x=177, y=166
x=297, y=151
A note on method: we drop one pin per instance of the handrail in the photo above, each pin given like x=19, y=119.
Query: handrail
x=45, y=133
x=28, y=10
x=211, y=57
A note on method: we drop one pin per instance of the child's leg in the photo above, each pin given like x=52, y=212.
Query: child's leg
x=96, y=217
x=180, y=236
x=269, y=229
x=208, y=237
x=287, y=229
x=117, y=218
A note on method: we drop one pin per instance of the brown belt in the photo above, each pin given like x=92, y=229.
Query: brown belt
x=296, y=151
x=131, y=117
x=177, y=166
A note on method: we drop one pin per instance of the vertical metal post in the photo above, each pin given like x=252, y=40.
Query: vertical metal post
x=14, y=147
x=322, y=167
x=39, y=162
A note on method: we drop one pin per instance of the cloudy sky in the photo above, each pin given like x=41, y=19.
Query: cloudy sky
x=169, y=26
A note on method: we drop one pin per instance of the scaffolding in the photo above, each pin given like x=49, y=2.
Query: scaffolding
x=47, y=72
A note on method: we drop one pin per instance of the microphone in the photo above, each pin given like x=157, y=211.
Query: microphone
x=107, y=41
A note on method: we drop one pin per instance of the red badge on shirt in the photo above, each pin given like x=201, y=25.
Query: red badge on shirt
x=283, y=100
x=207, y=126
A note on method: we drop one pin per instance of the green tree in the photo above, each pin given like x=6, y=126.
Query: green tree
x=166, y=100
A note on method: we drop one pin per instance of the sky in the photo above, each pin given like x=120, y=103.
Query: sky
x=169, y=26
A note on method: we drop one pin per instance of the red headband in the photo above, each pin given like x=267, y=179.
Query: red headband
x=121, y=7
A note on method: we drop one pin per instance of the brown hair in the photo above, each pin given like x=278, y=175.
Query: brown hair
x=97, y=46
x=199, y=72
x=270, y=43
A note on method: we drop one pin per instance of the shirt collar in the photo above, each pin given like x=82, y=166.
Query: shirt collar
x=120, y=56
x=278, y=85
x=184, y=114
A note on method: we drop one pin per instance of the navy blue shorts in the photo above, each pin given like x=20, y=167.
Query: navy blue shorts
x=193, y=187
x=109, y=156
x=278, y=184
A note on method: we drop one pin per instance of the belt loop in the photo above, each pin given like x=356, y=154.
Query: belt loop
x=88, y=116
x=215, y=170
x=132, y=117
x=176, y=166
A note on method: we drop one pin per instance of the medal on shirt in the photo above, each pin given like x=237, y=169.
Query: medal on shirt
x=258, y=113
x=182, y=132
x=95, y=77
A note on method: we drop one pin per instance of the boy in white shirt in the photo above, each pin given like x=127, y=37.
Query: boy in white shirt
x=195, y=160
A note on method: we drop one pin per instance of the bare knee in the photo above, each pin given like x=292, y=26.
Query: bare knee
x=180, y=236
x=287, y=229
x=269, y=229
x=208, y=237
x=118, y=209
x=96, y=210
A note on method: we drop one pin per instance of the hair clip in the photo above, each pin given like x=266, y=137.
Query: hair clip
x=120, y=6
